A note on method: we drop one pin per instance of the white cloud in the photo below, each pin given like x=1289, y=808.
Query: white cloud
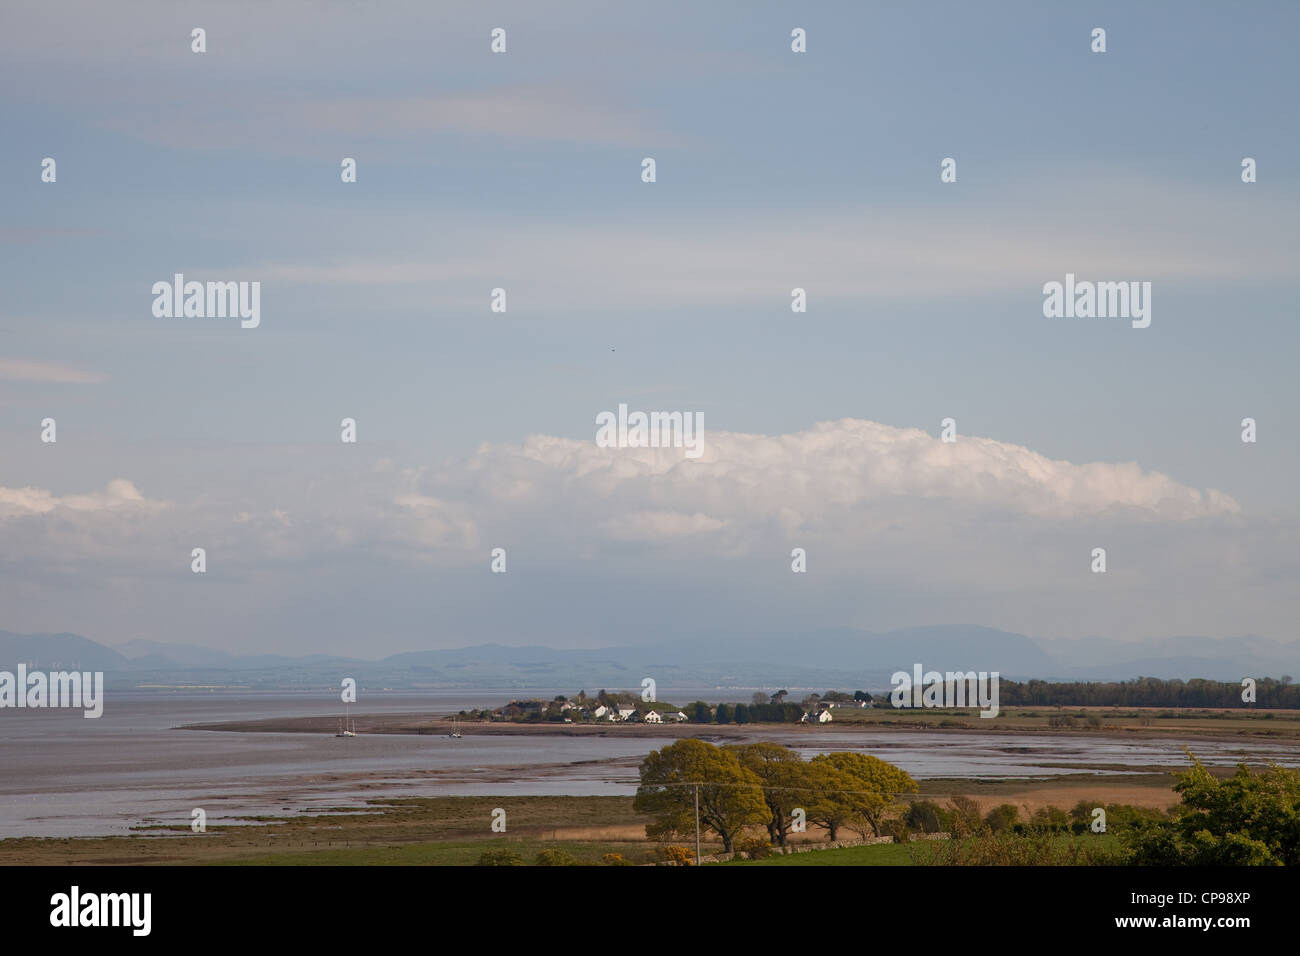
x=119, y=493
x=878, y=252
x=743, y=490
x=829, y=469
x=657, y=525
x=35, y=370
x=899, y=527
x=522, y=112
x=253, y=122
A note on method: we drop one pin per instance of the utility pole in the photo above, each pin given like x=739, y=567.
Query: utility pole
x=697, y=824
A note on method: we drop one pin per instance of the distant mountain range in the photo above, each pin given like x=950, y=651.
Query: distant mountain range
x=840, y=658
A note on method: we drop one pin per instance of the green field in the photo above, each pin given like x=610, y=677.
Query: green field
x=878, y=854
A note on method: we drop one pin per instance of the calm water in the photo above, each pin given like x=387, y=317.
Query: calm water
x=64, y=775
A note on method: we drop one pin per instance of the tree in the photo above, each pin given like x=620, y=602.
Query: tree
x=741, y=714
x=699, y=713
x=1249, y=819
x=730, y=795
x=780, y=696
x=785, y=778
x=862, y=695
x=758, y=699
x=874, y=787
x=723, y=714
x=828, y=804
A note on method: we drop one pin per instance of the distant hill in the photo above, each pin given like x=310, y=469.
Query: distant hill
x=58, y=652
x=824, y=658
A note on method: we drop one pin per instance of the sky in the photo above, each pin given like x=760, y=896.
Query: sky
x=522, y=170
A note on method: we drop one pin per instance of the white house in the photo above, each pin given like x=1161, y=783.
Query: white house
x=652, y=718
x=625, y=713
x=676, y=718
x=603, y=713
x=820, y=717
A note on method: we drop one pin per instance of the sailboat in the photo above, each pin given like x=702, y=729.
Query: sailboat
x=455, y=728
x=347, y=728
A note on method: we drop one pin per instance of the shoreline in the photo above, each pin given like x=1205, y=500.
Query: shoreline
x=421, y=724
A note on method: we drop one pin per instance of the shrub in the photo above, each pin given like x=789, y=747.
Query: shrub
x=1248, y=819
x=1050, y=819
x=756, y=848
x=615, y=859
x=1001, y=817
x=677, y=855
x=926, y=816
x=896, y=828
x=500, y=858
x=966, y=819
x=555, y=858
x=1030, y=848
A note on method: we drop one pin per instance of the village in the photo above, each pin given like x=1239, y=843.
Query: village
x=628, y=708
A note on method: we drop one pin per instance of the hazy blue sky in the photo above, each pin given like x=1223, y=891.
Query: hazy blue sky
x=522, y=170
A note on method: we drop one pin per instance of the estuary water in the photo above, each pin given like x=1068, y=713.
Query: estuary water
x=64, y=775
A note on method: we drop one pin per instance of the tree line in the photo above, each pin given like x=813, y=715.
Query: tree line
x=1149, y=692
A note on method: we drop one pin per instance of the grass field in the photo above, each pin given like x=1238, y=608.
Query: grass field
x=452, y=853
x=1153, y=721
x=454, y=831
x=878, y=854
x=397, y=831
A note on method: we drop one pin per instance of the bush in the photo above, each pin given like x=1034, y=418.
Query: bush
x=500, y=858
x=1001, y=817
x=966, y=819
x=677, y=855
x=897, y=828
x=755, y=848
x=1030, y=848
x=615, y=859
x=1249, y=819
x=555, y=858
x=1051, y=819
x=926, y=816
